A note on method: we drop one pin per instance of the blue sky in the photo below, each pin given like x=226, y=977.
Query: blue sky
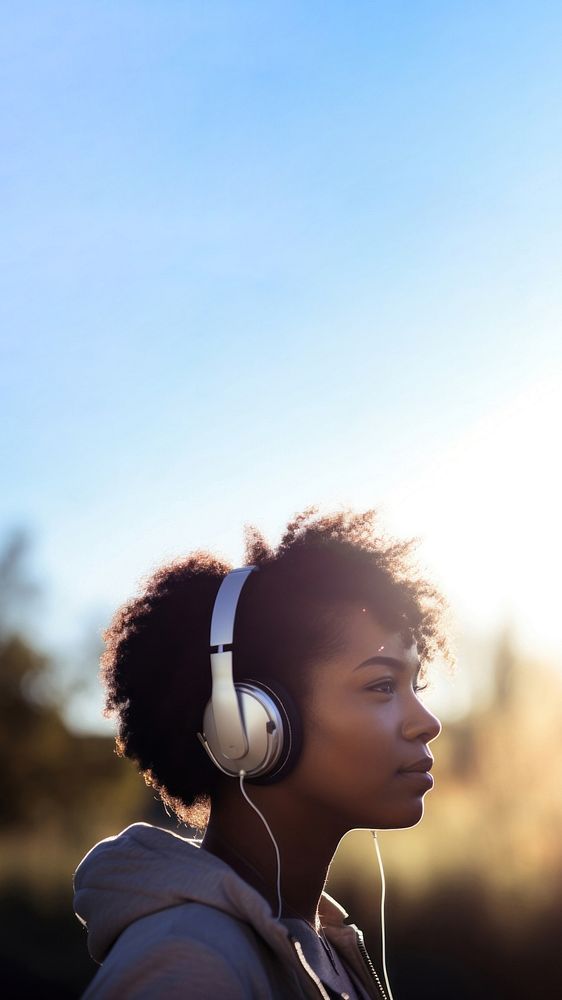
x=260, y=255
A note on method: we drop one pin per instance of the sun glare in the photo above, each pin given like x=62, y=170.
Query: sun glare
x=489, y=515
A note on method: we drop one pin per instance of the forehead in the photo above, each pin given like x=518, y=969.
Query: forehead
x=362, y=637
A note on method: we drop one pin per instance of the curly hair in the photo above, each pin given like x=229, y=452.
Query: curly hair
x=156, y=661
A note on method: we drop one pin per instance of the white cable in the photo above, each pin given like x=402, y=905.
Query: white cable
x=242, y=775
x=383, y=895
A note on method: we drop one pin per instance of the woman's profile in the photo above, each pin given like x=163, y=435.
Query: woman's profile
x=274, y=707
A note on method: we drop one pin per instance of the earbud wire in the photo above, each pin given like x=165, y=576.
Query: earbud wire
x=383, y=897
x=242, y=775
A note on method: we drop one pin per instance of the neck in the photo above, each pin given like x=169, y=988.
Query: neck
x=237, y=835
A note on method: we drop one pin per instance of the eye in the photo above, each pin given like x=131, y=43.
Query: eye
x=386, y=686
x=418, y=688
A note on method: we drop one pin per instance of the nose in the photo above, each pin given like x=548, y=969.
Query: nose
x=421, y=724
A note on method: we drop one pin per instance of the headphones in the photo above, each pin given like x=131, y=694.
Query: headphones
x=250, y=726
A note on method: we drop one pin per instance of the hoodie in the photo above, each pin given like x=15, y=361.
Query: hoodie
x=168, y=919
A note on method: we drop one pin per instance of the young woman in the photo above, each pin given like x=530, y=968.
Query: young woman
x=326, y=639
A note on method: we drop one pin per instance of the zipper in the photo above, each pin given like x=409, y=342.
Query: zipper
x=367, y=960
x=309, y=970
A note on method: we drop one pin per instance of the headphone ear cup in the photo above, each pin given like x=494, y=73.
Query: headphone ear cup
x=292, y=734
x=273, y=730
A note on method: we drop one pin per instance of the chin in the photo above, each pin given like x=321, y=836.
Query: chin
x=405, y=820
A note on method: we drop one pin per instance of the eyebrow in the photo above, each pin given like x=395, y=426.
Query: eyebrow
x=386, y=661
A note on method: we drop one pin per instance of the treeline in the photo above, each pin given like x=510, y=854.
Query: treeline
x=59, y=793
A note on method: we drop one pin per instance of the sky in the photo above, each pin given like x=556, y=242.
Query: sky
x=263, y=255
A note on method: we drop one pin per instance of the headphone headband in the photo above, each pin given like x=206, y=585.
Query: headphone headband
x=224, y=610
x=226, y=709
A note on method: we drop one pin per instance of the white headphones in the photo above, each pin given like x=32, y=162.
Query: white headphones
x=248, y=726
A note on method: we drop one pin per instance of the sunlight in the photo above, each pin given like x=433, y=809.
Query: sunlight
x=489, y=514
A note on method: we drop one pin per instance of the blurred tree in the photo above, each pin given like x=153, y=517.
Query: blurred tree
x=51, y=779
x=32, y=737
x=17, y=590
x=30, y=733
x=505, y=671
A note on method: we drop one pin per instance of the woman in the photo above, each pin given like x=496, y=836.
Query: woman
x=326, y=639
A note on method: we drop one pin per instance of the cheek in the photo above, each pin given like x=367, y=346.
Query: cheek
x=349, y=764
x=347, y=742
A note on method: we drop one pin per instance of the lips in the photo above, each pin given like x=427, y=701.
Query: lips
x=420, y=766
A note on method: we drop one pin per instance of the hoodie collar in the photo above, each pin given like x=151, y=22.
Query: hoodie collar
x=145, y=869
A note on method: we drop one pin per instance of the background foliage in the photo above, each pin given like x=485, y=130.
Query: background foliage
x=473, y=893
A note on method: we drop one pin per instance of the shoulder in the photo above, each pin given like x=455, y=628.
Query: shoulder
x=191, y=947
x=196, y=925
x=169, y=969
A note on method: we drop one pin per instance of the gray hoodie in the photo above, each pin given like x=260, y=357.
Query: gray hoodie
x=168, y=919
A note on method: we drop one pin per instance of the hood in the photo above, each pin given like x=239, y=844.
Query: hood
x=145, y=869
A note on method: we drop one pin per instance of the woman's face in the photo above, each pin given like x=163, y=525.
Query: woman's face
x=365, y=756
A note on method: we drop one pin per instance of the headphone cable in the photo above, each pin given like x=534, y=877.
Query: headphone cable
x=242, y=775
x=383, y=896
